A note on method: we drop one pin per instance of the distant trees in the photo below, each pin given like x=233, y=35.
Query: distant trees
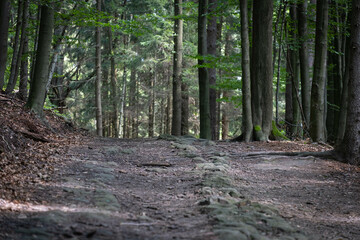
x=158, y=71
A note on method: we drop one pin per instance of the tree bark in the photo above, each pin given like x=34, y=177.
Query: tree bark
x=114, y=95
x=304, y=60
x=184, y=109
x=247, y=127
x=24, y=66
x=4, y=26
x=98, y=106
x=211, y=50
x=205, y=130
x=317, y=115
x=261, y=69
x=38, y=87
x=350, y=147
x=294, y=73
x=177, y=69
x=15, y=62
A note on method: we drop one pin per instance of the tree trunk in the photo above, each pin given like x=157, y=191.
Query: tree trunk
x=350, y=147
x=177, y=69
x=304, y=60
x=344, y=96
x=24, y=66
x=211, y=50
x=98, y=106
x=38, y=87
x=132, y=99
x=225, y=119
x=114, y=95
x=317, y=128
x=261, y=69
x=247, y=127
x=205, y=130
x=184, y=109
x=294, y=73
x=15, y=62
x=151, y=107
x=4, y=27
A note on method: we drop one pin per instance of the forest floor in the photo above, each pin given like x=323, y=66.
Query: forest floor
x=64, y=184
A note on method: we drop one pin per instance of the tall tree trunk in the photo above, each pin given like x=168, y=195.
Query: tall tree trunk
x=98, y=106
x=168, y=104
x=350, y=147
x=247, y=127
x=211, y=50
x=261, y=69
x=178, y=52
x=304, y=60
x=122, y=112
x=38, y=87
x=15, y=62
x=151, y=106
x=184, y=109
x=225, y=119
x=317, y=123
x=132, y=99
x=344, y=96
x=205, y=130
x=294, y=72
x=114, y=95
x=24, y=71
x=33, y=57
x=4, y=26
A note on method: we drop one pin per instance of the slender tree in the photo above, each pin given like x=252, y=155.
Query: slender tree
x=211, y=50
x=15, y=62
x=350, y=146
x=304, y=60
x=177, y=69
x=205, y=131
x=98, y=106
x=247, y=127
x=4, y=26
x=24, y=72
x=261, y=69
x=317, y=121
x=38, y=85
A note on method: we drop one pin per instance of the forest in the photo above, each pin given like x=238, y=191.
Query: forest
x=180, y=119
x=135, y=69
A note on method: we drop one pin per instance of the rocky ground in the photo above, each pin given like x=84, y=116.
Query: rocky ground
x=79, y=187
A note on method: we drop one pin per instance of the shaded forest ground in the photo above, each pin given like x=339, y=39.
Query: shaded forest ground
x=59, y=183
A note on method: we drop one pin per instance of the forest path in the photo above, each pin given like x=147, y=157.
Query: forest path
x=183, y=188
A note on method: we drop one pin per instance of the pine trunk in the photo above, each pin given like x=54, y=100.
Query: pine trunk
x=184, y=109
x=177, y=69
x=24, y=66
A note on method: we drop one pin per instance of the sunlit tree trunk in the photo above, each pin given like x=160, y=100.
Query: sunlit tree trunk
x=184, y=109
x=177, y=69
x=317, y=121
x=4, y=26
x=38, y=87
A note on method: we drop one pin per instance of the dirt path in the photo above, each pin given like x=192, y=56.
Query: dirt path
x=187, y=189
